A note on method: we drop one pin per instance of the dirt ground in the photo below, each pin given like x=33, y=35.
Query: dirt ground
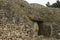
x=47, y=38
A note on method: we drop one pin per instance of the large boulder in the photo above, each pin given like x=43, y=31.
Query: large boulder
x=49, y=16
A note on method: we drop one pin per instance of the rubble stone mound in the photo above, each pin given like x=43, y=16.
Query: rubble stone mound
x=20, y=20
x=14, y=23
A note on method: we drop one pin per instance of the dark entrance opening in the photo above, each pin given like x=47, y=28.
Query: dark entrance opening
x=40, y=31
x=40, y=26
x=43, y=30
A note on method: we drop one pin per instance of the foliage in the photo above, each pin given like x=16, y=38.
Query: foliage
x=55, y=5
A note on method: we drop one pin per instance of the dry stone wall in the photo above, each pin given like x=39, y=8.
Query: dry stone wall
x=16, y=20
x=14, y=23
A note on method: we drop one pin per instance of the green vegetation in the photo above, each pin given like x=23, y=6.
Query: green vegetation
x=55, y=5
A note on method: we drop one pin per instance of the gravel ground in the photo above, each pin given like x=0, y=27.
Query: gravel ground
x=46, y=38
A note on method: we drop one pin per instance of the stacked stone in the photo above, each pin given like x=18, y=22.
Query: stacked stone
x=14, y=24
